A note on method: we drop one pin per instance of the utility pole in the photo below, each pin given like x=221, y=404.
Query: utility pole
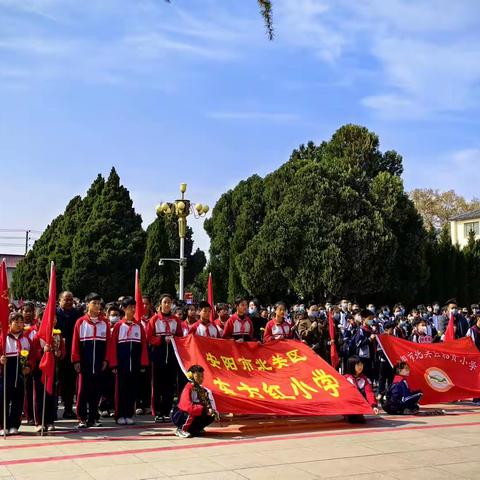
x=27, y=238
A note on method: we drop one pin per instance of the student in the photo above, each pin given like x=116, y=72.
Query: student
x=357, y=378
x=30, y=330
x=239, y=327
x=196, y=408
x=278, y=328
x=385, y=370
x=474, y=334
x=189, y=315
x=161, y=328
x=127, y=356
x=400, y=400
x=107, y=402
x=144, y=392
x=40, y=348
x=203, y=327
x=423, y=333
x=222, y=317
x=17, y=366
x=89, y=357
x=363, y=343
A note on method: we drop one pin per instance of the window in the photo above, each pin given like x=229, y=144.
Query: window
x=471, y=227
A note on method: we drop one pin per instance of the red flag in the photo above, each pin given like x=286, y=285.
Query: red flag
x=4, y=310
x=139, y=309
x=444, y=372
x=210, y=298
x=283, y=377
x=45, y=332
x=450, y=331
x=334, y=358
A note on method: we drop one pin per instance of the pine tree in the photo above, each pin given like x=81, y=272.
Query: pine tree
x=156, y=279
x=109, y=245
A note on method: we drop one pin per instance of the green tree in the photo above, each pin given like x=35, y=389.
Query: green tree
x=334, y=220
x=156, y=279
x=109, y=245
x=436, y=207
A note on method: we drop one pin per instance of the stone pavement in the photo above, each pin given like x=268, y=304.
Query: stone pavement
x=432, y=447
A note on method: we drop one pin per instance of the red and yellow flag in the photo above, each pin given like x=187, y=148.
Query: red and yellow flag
x=442, y=371
x=283, y=377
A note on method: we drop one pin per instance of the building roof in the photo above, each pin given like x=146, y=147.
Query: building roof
x=473, y=215
x=11, y=260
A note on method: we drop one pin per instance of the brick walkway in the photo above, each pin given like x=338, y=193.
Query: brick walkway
x=426, y=447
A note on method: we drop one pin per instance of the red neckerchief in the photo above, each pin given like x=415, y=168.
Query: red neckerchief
x=17, y=340
x=281, y=325
x=243, y=322
x=129, y=325
x=161, y=316
x=94, y=324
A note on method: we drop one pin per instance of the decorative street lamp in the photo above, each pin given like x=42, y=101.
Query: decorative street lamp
x=181, y=209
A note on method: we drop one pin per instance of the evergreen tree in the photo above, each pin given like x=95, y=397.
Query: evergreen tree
x=109, y=245
x=156, y=279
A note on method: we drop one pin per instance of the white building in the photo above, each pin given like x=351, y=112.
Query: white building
x=462, y=225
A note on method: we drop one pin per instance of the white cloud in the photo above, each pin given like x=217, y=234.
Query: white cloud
x=422, y=55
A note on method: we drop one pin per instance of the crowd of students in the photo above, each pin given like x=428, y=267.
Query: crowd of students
x=116, y=366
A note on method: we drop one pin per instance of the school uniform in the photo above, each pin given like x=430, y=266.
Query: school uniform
x=400, y=397
x=30, y=331
x=128, y=354
x=15, y=380
x=364, y=386
x=204, y=330
x=186, y=327
x=89, y=348
x=165, y=368
x=238, y=327
x=191, y=414
x=144, y=391
x=50, y=400
x=277, y=331
x=220, y=326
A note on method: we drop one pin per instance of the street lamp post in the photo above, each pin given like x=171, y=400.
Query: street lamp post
x=181, y=209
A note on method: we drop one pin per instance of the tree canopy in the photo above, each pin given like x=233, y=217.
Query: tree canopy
x=334, y=220
x=437, y=207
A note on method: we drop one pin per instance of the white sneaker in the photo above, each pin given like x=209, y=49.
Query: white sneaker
x=122, y=421
x=13, y=431
x=139, y=411
x=129, y=421
x=38, y=428
x=51, y=428
x=2, y=433
x=182, y=433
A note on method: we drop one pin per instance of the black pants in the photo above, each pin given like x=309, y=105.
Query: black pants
x=385, y=377
x=15, y=399
x=88, y=396
x=50, y=402
x=164, y=382
x=107, y=401
x=191, y=424
x=126, y=385
x=398, y=408
x=29, y=402
x=67, y=380
x=144, y=392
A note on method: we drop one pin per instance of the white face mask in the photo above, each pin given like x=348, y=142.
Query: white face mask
x=113, y=318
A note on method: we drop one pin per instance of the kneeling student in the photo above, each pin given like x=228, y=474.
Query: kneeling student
x=196, y=408
x=356, y=377
x=400, y=400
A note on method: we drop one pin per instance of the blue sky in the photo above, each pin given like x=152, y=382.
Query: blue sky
x=193, y=91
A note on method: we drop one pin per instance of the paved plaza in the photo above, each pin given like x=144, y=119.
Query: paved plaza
x=426, y=447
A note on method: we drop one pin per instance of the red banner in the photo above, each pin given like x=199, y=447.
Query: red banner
x=442, y=371
x=283, y=377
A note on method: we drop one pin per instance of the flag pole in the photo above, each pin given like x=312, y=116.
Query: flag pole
x=43, y=405
x=5, y=399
